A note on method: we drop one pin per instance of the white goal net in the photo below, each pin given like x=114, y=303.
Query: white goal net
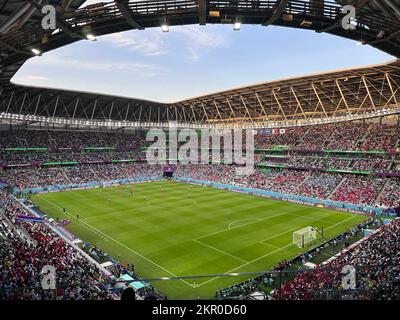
x=303, y=236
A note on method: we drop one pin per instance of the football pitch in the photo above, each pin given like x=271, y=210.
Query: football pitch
x=169, y=229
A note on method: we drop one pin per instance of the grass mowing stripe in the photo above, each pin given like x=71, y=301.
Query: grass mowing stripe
x=121, y=244
x=242, y=225
x=249, y=262
x=268, y=254
x=119, y=212
x=309, y=218
x=261, y=219
x=226, y=253
x=164, y=233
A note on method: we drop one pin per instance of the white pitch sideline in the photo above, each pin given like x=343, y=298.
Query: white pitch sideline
x=119, y=243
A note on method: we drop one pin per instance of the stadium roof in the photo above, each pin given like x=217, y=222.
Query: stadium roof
x=321, y=96
x=324, y=95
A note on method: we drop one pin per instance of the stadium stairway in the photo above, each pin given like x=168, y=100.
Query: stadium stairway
x=18, y=230
x=337, y=187
x=364, y=137
x=300, y=184
x=382, y=190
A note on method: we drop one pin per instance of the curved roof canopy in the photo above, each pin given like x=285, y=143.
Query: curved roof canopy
x=346, y=92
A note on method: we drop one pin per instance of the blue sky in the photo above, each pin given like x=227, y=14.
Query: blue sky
x=191, y=60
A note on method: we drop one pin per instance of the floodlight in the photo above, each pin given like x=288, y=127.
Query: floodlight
x=36, y=51
x=165, y=28
x=91, y=37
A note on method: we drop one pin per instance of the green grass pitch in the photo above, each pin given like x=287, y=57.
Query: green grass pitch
x=170, y=229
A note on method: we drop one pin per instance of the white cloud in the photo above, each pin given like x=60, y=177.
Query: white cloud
x=193, y=54
x=59, y=61
x=31, y=79
x=197, y=40
x=205, y=38
x=193, y=41
x=138, y=41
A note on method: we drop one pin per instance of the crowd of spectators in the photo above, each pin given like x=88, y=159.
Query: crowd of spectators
x=68, y=139
x=302, y=161
x=289, y=138
x=315, y=137
x=38, y=158
x=375, y=165
x=354, y=163
x=63, y=175
x=284, y=181
x=67, y=146
x=390, y=195
x=24, y=259
x=319, y=185
x=334, y=163
x=359, y=190
x=214, y=173
x=381, y=137
x=338, y=136
x=12, y=158
x=346, y=136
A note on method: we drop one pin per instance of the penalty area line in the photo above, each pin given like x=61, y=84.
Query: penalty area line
x=268, y=254
x=221, y=251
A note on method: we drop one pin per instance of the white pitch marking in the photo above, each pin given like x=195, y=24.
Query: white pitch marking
x=279, y=234
x=305, y=217
x=226, y=253
x=268, y=254
x=242, y=225
x=244, y=219
x=121, y=244
x=120, y=213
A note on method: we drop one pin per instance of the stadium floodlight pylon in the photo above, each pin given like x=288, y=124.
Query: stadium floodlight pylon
x=303, y=236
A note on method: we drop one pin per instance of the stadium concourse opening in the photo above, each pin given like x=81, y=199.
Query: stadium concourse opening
x=168, y=171
x=85, y=216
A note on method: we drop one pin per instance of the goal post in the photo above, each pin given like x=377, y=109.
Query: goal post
x=303, y=236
